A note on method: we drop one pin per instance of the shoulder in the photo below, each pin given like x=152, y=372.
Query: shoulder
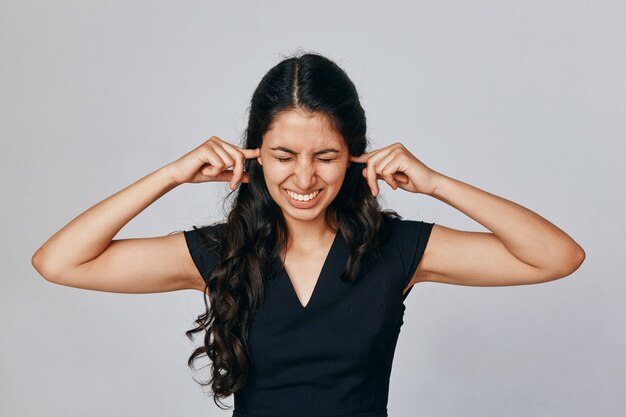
x=204, y=244
x=204, y=241
x=213, y=229
x=410, y=238
x=406, y=231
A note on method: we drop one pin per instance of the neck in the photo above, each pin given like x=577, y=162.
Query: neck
x=308, y=233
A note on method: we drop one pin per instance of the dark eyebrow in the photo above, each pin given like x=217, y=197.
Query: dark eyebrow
x=284, y=149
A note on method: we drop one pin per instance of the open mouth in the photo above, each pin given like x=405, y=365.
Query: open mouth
x=303, y=197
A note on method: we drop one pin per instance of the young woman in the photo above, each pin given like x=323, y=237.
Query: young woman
x=306, y=278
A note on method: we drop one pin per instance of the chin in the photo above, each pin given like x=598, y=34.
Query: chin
x=304, y=217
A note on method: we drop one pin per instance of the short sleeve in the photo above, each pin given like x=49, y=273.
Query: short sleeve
x=202, y=249
x=411, y=237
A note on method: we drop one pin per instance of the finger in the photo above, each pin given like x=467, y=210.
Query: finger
x=389, y=179
x=363, y=158
x=250, y=153
x=237, y=172
x=401, y=177
x=229, y=161
x=366, y=174
x=360, y=158
x=388, y=166
x=247, y=154
x=228, y=176
x=213, y=162
x=224, y=176
x=236, y=153
x=373, y=168
x=371, y=176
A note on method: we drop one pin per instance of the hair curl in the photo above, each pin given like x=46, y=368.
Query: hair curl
x=255, y=233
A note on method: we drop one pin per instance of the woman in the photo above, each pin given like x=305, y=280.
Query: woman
x=307, y=277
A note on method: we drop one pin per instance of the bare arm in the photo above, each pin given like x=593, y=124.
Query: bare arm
x=522, y=247
x=82, y=254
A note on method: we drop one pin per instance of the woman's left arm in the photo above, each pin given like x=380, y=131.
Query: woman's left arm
x=522, y=248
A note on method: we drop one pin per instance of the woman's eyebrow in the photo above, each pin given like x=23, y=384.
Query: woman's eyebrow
x=322, y=151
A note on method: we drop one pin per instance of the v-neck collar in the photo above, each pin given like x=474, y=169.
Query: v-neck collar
x=324, y=271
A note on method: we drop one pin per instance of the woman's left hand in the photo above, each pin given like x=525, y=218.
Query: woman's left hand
x=397, y=167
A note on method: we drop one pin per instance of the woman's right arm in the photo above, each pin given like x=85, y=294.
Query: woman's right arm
x=84, y=255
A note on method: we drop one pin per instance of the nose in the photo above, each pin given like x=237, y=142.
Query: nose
x=304, y=175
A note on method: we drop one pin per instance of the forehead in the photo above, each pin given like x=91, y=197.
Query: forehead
x=303, y=131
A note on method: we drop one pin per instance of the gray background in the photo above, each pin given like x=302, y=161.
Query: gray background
x=521, y=99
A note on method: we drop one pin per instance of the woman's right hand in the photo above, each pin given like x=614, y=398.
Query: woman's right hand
x=211, y=162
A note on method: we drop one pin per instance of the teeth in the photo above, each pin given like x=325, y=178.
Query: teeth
x=301, y=197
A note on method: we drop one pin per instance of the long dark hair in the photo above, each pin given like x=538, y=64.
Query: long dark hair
x=255, y=232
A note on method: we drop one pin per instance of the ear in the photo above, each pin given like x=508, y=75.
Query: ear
x=260, y=160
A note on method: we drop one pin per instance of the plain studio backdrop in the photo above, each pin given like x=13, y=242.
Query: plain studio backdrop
x=521, y=99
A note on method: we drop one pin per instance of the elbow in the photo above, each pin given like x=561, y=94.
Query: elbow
x=37, y=262
x=580, y=253
x=42, y=266
x=578, y=257
x=572, y=262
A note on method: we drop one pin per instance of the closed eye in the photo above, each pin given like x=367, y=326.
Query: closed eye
x=289, y=159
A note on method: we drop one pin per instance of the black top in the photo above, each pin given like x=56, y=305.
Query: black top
x=333, y=357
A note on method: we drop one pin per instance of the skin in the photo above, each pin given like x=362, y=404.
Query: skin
x=291, y=160
x=520, y=248
x=288, y=161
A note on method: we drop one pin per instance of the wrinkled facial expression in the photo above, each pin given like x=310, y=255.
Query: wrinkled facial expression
x=304, y=164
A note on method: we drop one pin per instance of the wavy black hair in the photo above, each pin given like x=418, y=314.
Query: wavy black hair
x=255, y=233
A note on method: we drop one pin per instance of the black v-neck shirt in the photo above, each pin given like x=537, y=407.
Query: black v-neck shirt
x=283, y=272
x=332, y=357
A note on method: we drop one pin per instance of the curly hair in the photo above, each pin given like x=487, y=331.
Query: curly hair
x=255, y=233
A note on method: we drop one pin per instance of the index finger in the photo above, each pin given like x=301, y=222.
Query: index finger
x=250, y=153
x=361, y=158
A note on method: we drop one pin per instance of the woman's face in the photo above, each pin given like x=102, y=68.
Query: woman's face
x=302, y=154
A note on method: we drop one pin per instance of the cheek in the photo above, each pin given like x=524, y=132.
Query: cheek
x=274, y=173
x=334, y=174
